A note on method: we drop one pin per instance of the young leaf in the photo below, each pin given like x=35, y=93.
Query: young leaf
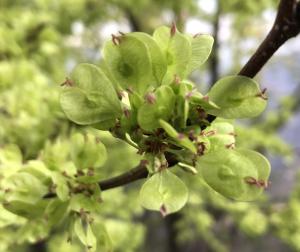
x=201, y=49
x=220, y=135
x=158, y=60
x=84, y=232
x=237, y=97
x=150, y=113
x=55, y=212
x=61, y=186
x=226, y=172
x=87, y=151
x=80, y=201
x=24, y=187
x=129, y=62
x=25, y=209
x=263, y=172
x=91, y=98
x=181, y=139
x=177, y=49
x=103, y=239
x=164, y=192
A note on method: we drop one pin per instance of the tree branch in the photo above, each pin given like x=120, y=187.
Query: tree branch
x=286, y=26
x=138, y=172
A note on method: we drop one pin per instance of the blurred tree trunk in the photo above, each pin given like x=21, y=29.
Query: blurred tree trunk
x=172, y=232
x=179, y=16
x=134, y=23
x=40, y=246
x=214, y=62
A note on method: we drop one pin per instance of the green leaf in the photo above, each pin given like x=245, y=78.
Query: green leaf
x=91, y=98
x=10, y=153
x=164, y=192
x=220, y=135
x=87, y=151
x=55, y=212
x=25, y=209
x=180, y=139
x=103, y=240
x=39, y=170
x=149, y=114
x=201, y=49
x=226, y=172
x=129, y=62
x=85, y=234
x=24, y=187
x=198, y=99
x=158, y=60
x=182, y=112
x=80, y=231
x=61, y=186
x=89, y=203
x=178, y=51
x=263, y=168
x=237, y=97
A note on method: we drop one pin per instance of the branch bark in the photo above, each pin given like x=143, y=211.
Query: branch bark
x=286, y=26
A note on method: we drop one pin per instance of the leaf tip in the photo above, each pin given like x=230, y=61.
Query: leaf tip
x=150, y=98
x=173, y=29
x=68, y=82
x=262, y=94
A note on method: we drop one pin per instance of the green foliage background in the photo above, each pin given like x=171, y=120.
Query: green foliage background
x=39, y=44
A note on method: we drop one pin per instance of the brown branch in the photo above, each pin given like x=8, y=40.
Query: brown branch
x=138, y=172
x=286, y=26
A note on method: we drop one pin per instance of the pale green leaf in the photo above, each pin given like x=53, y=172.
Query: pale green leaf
x=201, y=49
x=129, y=62
x=164, y=192
x=237, y=97
x=91, y=98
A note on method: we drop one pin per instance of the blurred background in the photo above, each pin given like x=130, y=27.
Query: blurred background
x=42, y=40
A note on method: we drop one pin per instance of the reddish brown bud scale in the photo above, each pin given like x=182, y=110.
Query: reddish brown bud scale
x=259, y=183
x=262, y=94
x=180, y=136
x=205, y=98
x=68, y=82
x=173, y=29
x=116, y=39
x=208, y=133
x=150, y=98
x=126, y=112
x=120, y=94
x=188, y=95
x=163, y=211
x=230, y=146
x=201, y=148
x=177, y=79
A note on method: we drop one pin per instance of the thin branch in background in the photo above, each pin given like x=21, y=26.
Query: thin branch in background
x=286, y=26
x=214, y=58
x=133, y=20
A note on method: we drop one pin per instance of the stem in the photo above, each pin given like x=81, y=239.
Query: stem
x=286, y=26
x=137, y=173
x=214, y=58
